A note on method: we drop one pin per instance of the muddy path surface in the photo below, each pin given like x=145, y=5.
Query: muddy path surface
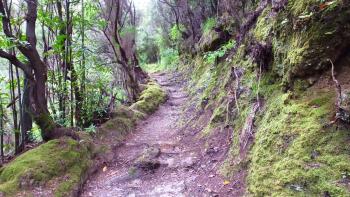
x=164, y=158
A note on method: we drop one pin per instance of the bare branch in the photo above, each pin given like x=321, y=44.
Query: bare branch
x=15, y=61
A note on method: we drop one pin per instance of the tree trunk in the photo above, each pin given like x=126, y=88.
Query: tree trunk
x=22, y=133
x=1, y=130
x=27, y=121
x=38, y=102
x=14, y=108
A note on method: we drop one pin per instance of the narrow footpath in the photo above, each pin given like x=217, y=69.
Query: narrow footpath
x=161, y=159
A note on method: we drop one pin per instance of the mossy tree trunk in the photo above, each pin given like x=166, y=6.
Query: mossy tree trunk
x=38, y=104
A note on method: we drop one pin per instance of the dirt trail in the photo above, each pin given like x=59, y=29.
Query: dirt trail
x=176, y=162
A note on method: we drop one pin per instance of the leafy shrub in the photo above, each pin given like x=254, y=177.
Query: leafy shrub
x=176, y=32
x=90, y=129
x=169, y=57
x=208, y=25
x=211, y=56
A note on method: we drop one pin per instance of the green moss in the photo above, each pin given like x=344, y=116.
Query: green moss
x=305, y=40
x=322, y=100
x=150, y=99
x=293, y=154
x=233, y=163
x=264, y=25
x=122, y=125
x=46, y=123
x=64, y=158
x=125, y=118
x=219, y=115
x=208, y=25
x=299, y=7
x=217, y=81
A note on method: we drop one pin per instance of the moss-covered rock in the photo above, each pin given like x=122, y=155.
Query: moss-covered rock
x=212, y=40
x=60, y=164
x=150, y=99
x=125, y=118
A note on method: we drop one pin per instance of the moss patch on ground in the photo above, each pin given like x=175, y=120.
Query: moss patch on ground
x=294, y=155
x=64, y=158
x=150, y=99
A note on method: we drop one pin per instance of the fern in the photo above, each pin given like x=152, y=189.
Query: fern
x=211, y=56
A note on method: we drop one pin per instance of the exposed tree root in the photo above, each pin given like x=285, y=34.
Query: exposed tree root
x=342, y=114
x=64, y=132
x=247, y=133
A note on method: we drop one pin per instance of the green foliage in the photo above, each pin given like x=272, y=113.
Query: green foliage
x=35, y=134
x=208, y=25
x=176, y=32
x=153, y=68
x=148, y=50
x=91, y=129
x=169, y=58
x=65, y=162
x=211, y=56
x=129, y=30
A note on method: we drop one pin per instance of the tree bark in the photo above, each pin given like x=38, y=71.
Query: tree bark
x=27, y=121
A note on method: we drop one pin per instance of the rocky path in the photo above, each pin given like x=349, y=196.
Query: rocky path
x=156, y=160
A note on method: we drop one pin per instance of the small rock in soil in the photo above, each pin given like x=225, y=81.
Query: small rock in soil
x=147, y=166
x=212, y=150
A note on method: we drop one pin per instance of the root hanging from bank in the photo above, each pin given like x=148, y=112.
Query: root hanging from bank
x=342, y=114
x=247, y=134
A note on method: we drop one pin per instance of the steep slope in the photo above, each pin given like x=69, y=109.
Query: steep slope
x=274, y=93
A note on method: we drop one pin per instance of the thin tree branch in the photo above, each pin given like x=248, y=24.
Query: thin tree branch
x=15, y=61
